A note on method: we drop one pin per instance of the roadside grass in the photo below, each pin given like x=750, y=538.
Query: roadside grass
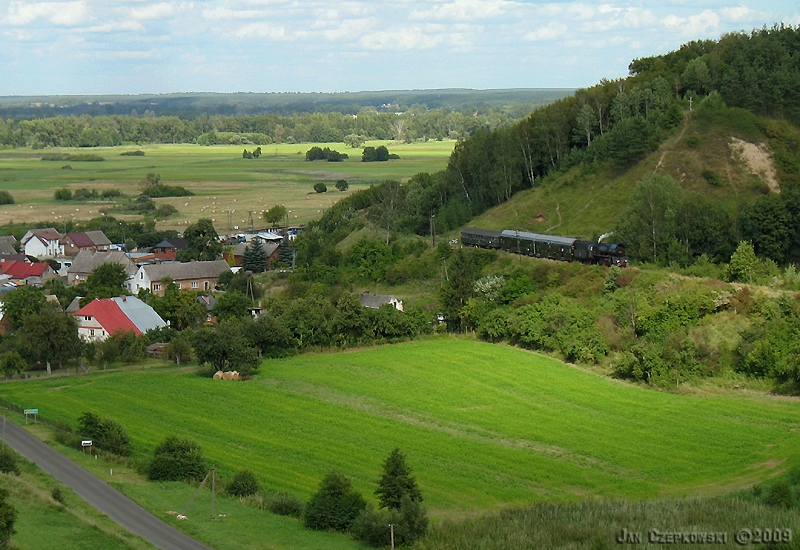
x=484, y=426
x=221, y=179
x=45, y=524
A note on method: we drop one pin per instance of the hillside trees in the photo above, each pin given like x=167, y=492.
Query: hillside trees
x=202, y=242
x=335, y=505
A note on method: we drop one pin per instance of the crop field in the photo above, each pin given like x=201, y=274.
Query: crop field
x=483, y=425
x=227, y=186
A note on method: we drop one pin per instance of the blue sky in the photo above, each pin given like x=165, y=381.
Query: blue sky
x=131, y=47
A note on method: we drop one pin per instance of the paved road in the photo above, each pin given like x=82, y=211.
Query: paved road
x=98, y=493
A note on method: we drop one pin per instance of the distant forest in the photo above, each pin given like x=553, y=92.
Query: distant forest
x=261, y=119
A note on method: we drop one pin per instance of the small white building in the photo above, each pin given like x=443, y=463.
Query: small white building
x=374, y=301
x=42, y=243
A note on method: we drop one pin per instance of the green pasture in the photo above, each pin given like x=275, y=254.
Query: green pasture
x=221, y=179
x=483, y=425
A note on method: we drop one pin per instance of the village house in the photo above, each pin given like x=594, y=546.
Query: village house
x=84, y=241
x=29, y=273
x=100, y=319
x=86, y=261
x=271, y=249
x=197, y=276
x=168, y=248
x=42, y=243
x=374, y=301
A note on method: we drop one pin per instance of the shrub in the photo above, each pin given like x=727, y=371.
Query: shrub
x=320, y=187
x=9, y=461
x=286, y=504
x=711, y=177
x=335, y=505
x=342, y=185
x=63, y=194
x=137, y=153
x=58, y=494
x=177, y=459
x=105, y=434
x=6, y=198
x=244, y=483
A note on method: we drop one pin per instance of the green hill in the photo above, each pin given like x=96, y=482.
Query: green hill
x=483, y=425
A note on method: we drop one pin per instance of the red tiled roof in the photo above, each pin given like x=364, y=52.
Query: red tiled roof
x=109, y=315
x=23, y=270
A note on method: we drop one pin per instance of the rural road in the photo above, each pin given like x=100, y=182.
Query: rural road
x=98, y=493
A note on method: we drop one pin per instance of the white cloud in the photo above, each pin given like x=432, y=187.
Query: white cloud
x=155, y=11
x=741, y=14
x=261, y=30
x=222, y=13
x=57, y=13
x=552, y=31
x=351, y=28
x=116, y=26
x=401, y=39
x=462, y=10
x=694, y=26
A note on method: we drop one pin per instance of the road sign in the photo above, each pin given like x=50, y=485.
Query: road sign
x=86, y=443
x=31, y=411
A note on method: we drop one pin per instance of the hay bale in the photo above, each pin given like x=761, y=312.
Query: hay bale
x=218, y=375
x=227, y=375
x=236, y=375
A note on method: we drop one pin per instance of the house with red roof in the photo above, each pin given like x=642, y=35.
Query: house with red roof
x=30, y=272
x=99, y=319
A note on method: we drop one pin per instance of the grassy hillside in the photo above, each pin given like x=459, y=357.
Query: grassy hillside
x=483, y=425
x=586, y=201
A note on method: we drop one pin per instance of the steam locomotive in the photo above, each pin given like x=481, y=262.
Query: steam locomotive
x=546, y=246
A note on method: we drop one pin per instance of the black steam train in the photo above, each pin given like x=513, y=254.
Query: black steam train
x=546, y=246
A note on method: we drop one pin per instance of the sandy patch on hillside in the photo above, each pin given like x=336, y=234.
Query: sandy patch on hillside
x=758, y=161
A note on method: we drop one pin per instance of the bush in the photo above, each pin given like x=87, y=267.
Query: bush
x=243, y=484
x=58, y=494
x=9, y=461
x=320, y=187
x=177, y=459
x=335, y=505
x=105, y=434
x=286, y=504
x=63, y=194
x=6, y=198
x=137, y=153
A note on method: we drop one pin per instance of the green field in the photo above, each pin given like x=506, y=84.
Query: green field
x=483, y=425
x=218, y=175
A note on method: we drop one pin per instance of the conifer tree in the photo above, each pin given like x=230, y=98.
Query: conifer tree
x=396, y=482
x=255, y=257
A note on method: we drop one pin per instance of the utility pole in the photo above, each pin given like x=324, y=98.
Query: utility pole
x=433, y=230
x=391, y=531
x=4, y=427
x=213, y=489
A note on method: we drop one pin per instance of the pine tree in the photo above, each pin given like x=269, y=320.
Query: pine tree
x=255, y=257
x=335, y=505
x=396, y=482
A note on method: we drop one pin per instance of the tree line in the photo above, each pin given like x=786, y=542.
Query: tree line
x=333, y=127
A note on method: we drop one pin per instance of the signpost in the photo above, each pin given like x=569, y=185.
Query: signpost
x=86, y=443
x=34, y=412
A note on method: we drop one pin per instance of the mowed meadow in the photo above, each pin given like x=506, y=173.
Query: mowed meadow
x=223, y=182
x=483, y=425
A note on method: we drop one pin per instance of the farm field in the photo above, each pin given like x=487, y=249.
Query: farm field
x=483, y=426
x=221, y=179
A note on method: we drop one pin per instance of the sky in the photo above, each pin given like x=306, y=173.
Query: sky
x=102, y=47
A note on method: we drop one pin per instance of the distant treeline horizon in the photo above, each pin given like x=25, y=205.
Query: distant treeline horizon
x=192, y=104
